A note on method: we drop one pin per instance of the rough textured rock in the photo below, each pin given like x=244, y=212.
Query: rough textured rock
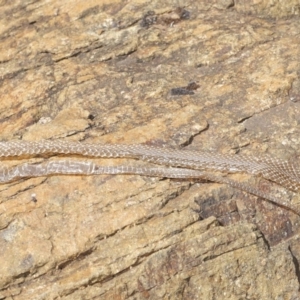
x=211, y=75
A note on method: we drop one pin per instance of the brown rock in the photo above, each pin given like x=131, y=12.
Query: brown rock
x=217, y=76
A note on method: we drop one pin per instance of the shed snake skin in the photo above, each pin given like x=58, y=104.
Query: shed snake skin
x=180, y=164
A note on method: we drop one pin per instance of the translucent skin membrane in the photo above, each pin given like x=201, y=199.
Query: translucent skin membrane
x=181, y=164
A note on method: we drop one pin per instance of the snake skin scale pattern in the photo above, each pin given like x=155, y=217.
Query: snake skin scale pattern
x=180, y=164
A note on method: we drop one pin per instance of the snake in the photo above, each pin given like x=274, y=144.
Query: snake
x=177, y=163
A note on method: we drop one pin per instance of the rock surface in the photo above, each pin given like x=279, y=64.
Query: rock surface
x=212, y=75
